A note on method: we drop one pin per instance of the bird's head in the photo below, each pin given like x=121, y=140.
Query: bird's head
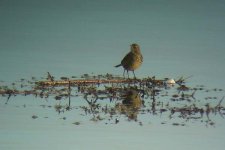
x=135, y=48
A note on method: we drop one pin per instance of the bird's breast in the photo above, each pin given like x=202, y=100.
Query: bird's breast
x=132, y=62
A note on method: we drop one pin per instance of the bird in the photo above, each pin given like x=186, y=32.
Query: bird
x=132, y=60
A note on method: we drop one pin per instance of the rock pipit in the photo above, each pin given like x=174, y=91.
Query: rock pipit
x=132, y=60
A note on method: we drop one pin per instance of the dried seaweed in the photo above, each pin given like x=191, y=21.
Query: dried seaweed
x=128, y=97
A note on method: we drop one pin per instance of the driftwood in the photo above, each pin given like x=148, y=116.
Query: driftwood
x=103, y=79
x=98, y=81
x=81, y=82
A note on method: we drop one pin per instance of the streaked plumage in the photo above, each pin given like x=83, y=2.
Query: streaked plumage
x=132, y=60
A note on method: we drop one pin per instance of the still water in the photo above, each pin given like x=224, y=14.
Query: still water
x=72, y=38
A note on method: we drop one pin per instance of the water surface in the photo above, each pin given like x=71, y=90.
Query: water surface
x=70, y=38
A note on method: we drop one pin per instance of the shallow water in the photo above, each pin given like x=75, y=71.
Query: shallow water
x=71, y=38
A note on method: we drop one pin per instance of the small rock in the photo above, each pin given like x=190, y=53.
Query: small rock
x=170, y=81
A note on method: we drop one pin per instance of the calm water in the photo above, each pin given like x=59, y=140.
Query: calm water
x=65, y=38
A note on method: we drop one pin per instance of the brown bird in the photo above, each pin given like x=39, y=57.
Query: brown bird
x=132, y=60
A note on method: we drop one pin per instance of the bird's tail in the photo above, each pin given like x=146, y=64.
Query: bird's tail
x=118, y=65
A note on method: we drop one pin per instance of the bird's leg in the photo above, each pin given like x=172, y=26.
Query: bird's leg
x=134, y=75
x=128, y=74
x=124, y=73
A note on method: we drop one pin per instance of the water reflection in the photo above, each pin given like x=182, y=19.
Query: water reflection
x=131, y=103
x=130, y=98
x=128, y=102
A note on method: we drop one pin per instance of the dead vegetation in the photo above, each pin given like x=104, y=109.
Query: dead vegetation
x=128, y=97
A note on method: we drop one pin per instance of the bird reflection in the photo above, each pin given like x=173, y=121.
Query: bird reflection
x=131, y=104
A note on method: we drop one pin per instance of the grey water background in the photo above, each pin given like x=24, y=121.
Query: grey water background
x=65, y=38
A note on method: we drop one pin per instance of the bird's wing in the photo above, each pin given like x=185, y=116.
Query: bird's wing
x=127, y=59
